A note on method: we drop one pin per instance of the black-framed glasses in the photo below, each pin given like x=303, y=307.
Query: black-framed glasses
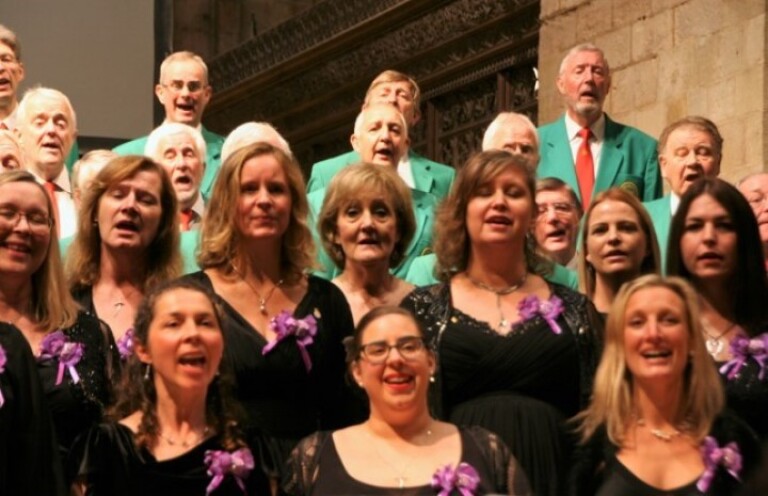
x=38, y=222
x=178, y=86
x=409, y=347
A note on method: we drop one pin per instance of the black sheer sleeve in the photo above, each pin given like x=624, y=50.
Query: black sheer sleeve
x=301, y=469
x=29, y=458
x=509, y=477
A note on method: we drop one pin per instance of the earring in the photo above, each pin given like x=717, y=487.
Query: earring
x=147, y=370
x=432, y=378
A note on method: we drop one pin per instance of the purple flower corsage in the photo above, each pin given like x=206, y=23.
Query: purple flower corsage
x=56, y=346
x=221, y=463
x=463, y=479
x=729, y=457
x=285, y=324
x=549, y=310
x=3, y=360
x=125, y=345
x=742, y=348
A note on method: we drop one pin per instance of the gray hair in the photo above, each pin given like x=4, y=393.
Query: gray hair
x=89, y=165
x=181, y=57
x=253, y=132
x=359, y=120
x=584, y=47
x=152, y=148
x=43, y=92
x=9, y=38
x=508, y=119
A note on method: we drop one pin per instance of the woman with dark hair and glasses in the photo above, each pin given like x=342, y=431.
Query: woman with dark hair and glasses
x=714, y=243
x=401, y=448
x=71, y=347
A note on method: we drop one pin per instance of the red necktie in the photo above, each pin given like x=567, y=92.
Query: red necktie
x=185, y=218
x=50, y=187
x=585, y=168
x=3, y=127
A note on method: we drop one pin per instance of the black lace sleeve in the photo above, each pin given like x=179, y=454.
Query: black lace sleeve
x=585, y=472
x=509, y=477
x=302, y=466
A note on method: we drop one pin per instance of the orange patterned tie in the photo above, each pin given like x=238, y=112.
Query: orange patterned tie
x=585, y=168
x=50, y=187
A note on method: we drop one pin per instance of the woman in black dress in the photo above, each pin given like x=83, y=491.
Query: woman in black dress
x=283, y=329
x=175, y=428
x=127, y=241
x=654, y=425
x=401, y=449
x=714, y=243
x=516, y=353
x=71, y=347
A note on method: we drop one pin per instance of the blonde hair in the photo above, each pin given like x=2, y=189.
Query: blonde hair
x=219, y=237
x=52, y=303
x=366, y=181
x=651, y=263
x=612, y=402
x=88, y=166
x=392, y=76
x=452, y=243
x=162, y=256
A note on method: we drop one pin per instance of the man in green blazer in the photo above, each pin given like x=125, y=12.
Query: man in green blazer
x=419, y=173
x=381, y=137
x=184, y=92
x=620, y=155
x=689, y=149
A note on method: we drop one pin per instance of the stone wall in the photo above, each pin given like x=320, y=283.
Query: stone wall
x=670, y=58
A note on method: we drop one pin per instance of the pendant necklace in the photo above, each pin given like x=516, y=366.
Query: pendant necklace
x=504, y=325
x=185, y=443
x=400, y=477
x=715, y=344
x=660, y=433
x=262, y=300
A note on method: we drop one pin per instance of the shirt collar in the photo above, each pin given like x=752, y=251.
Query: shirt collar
x=674, y=202
x=572, y=128
x=61, y=181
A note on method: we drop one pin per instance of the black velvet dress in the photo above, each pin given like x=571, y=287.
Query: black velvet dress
x=596, y=471
x=29, y=457
x=283, y=402
x=524, y=385
x=75, y=407
x=111, y=464
x=315, y=468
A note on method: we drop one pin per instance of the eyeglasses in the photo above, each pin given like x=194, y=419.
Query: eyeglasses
x=409, y=347
x=178, y=86
x=561, y=209
x=38, y=223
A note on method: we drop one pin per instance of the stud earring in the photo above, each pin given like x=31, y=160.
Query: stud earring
x=147, y=370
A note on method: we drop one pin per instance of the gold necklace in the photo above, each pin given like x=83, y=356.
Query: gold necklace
x=262, y=300
x=185, y=443
x=400, y=473
x=504, y=325
x=661, y=433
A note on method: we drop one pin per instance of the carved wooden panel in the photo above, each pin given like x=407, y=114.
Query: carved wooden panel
x=472, y=58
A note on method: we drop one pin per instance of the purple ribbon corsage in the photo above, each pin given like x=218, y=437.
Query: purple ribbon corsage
x=56, y=346
x=303, y=329
x=125, y=345
x=729, y=457
x=742, y=348
x=3, y=359
x=221, y=463
x=463, y=479
x=549, y=310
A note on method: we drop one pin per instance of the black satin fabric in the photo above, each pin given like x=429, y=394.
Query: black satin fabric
x=283, y=402
x=111, y=464
x=29, y=458
x=524, y=385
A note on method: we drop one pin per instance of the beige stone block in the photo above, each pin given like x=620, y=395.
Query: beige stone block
x=732, y=131
x=626, y=13
x=749, y=90
x=652, y=35
x=698, y=18
x=570, y=4
x=651, y=119
x=621, y=98
x=560, y=31
x=662, y=5
x=644, y=82
x=721, y=99
x=594, y=19
x=755, y=40
x=703, y=62
x=731, y=50
x=677, y=72
x=754, y=132
x=739, y=11
x=549, y=8
x=617, y=46
x=697, y=102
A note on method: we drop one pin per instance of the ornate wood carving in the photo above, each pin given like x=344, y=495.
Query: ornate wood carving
x=472, y=58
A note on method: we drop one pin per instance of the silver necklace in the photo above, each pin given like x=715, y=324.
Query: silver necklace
x=262, y=300
x=185, y=443
x=715, y=344
x=400, y=477
x=504, y=325
x=660, y=433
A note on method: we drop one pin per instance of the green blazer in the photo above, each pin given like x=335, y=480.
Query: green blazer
x=422, y=273
x=661, y=214
x=213, y=143
x=628, y=159
x=424, y=211
x=428, y=176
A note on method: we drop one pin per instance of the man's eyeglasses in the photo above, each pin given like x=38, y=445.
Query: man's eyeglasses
x=178, y=86
x=561, y=208
x=38, y=222
x=409, y=347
